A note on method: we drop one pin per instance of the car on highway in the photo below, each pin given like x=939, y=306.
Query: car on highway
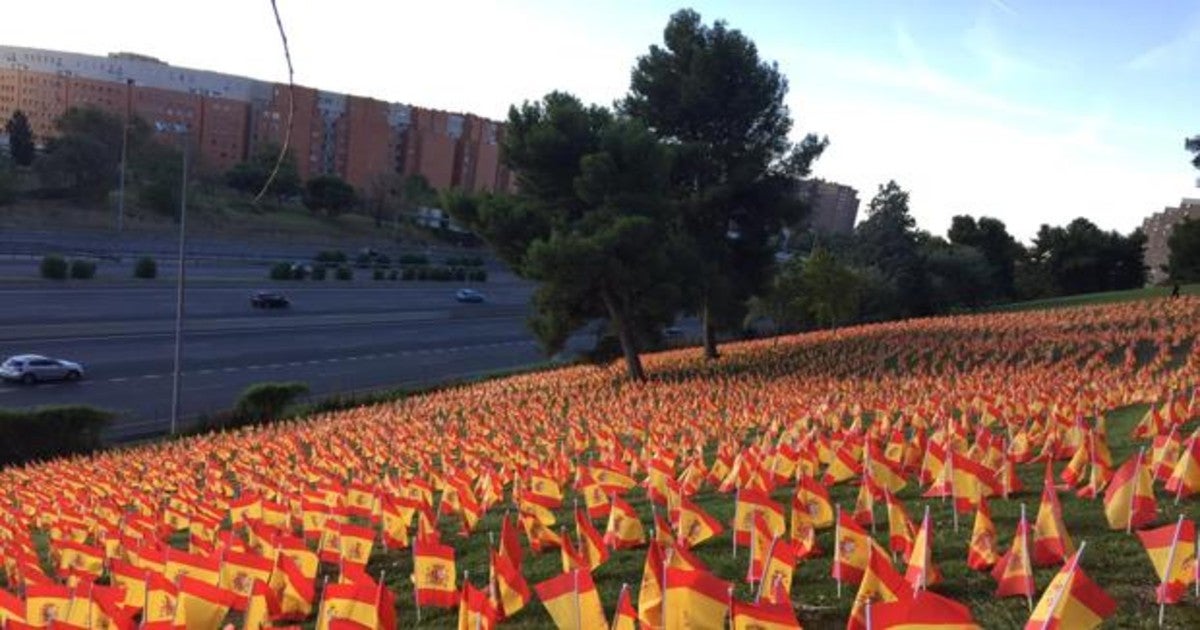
x=32, y=368
x=268, y=299
x=468, y=296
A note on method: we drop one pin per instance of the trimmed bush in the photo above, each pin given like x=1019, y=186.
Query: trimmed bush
x=393, y=275
x=344, y=273
x=378, y=274
x=413, y=259
x=146, y=268
x=54, y=267
x=45, y=432
x=318, y=273
x=281, y=271
x=409, y=273
x=330, y=257
x=83, y=269
x=478, y=275
x=265, y=402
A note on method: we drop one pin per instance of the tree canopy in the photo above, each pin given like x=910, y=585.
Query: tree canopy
x=20, y=139
x=250, y=176
x=589, y=223
x=1184, y=261
x=330, y=194
x=85, y=156
x=707, y=94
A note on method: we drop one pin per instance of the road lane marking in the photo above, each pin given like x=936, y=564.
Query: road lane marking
x=119, y=379
x=152, y=376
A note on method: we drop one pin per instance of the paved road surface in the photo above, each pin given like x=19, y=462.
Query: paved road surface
x=333, y=338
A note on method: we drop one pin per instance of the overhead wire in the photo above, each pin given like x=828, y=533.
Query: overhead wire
x=287, y=134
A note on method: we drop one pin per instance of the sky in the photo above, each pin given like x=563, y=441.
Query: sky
x=1029, y=111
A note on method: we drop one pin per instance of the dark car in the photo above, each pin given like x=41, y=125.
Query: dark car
x=268, y=299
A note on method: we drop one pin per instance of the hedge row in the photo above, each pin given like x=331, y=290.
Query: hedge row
x=288, y=271
x=36, y=434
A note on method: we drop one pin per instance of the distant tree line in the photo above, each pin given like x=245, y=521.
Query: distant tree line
x=82, y=162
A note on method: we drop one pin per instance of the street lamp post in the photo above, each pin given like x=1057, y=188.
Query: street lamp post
x=180, y=272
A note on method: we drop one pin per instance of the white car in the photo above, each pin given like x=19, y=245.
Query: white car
x=31, y=368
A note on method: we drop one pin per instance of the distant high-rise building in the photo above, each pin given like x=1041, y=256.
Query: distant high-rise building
x=1158, y=227
x=231, y=117
x=833, y=207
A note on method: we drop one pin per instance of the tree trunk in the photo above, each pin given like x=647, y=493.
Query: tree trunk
x=633, y=362
x=710, y=334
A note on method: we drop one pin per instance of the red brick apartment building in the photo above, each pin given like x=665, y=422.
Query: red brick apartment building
x=229, y=117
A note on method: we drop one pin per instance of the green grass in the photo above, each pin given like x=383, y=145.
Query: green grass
x=1088, y=299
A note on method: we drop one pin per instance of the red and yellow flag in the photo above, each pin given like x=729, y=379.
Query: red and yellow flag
x=764, y=615
x=695, y=600
x=1129, y=500
x=1172, y=551
x=511, y=588
x=851, y=550
x=696, y=525
x=572, y=601
x=434, y=574
x=1072, y=600
x=981, y=550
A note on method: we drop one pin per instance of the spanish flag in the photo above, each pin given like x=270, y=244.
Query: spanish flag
x=813, y=499
x=475, y=610
x=880, y=583
x=777, y=575
x=239, y=572
x=900, y=528
x=624, y=529
x=1185, y=476
x=591, y=543
x=1014, y=571
x=262, y=607
x=696, y=525
x=625, y=617
x=921, y=571
x=12, y=608
x=760, y=546
x=749, y=503
x=352, y=601
x=1129, y=500
x=572, y=601
x=651, y=591
x=297, y=593
x=1072, y=600
x=202, y=606
x=695, y=600
x=1173, y=545
x=851, y=550
x=162, y=604
x=355, y=543
x=981, y=552
x=510, y=544
x=44, y=603
x=764, y=616
x=206, y=569
x=511, y=589
x=130, y=578
x=1051, y=542
x=434, y=574
x=924, y=611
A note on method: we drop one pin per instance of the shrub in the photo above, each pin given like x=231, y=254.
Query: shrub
x=344, y=273
x=330, y=257
x=32, y=434
x=460, y=273
x=409, y=273
x=393, y=275
x=145, y=267
x=413, y=259
x=318, y=273
x=479, y=275
x=265, y=402
x=83, y=269
x=422, y=273
x=54, y=267
x=377, y=274
x=299, y=272
x=281, y=271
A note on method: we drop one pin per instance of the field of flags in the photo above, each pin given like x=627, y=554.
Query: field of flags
x=1031, y=469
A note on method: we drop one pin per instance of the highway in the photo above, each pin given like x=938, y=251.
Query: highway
x=335, y=338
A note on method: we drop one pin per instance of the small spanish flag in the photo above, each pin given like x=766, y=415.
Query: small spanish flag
x=572, y=601
x=695, y=600
x=434, y=574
